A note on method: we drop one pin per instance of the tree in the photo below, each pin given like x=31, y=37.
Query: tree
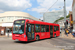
x=62, y=18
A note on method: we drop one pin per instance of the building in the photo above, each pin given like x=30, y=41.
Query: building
x=7, y=19
x=73, y=12
x=70, y=21
x=61, y=23
x=71, y=18
x=52, y=16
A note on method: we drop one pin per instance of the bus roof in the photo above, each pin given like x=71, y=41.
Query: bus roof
x=38, y=22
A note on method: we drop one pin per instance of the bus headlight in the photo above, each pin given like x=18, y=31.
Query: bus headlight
x=24, y=35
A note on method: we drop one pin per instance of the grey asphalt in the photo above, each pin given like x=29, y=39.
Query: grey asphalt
x=9, y=44
x=63, y=43
x=46, y=44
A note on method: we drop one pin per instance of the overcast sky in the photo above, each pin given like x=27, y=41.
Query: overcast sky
x=34, y=7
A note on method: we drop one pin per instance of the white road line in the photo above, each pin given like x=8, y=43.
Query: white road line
x=70, y=43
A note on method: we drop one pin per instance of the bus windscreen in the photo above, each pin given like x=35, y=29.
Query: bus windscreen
x=18, y=27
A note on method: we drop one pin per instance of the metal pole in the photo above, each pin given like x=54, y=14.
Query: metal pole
x=65, y=14
x=8, y=33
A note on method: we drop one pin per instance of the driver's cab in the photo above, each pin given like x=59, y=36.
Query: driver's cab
x=18, y=30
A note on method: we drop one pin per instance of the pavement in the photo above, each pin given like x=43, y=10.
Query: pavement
x=4, y=36
x=62, y=35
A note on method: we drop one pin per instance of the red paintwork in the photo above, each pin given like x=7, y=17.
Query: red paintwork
x=42, y=35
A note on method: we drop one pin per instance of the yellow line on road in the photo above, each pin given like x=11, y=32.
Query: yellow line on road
x=62, y=49
x=54, y=45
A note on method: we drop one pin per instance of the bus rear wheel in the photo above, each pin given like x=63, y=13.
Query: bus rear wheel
x=37, y=38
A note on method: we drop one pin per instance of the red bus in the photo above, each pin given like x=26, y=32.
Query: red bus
x=30, y=30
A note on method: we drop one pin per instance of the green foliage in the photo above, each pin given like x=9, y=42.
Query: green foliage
x=61, y=18
x=68, y=16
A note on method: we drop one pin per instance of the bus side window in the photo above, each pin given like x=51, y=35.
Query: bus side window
x=55, y=28
x=43, y=28
x=47, y=28
x=37, y=28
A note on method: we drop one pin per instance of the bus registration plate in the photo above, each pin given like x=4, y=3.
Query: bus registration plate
x=17, y=40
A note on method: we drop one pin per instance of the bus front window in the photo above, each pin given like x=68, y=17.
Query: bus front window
x=18, y=29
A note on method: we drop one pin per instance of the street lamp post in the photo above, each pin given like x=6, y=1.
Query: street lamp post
x=65, y=13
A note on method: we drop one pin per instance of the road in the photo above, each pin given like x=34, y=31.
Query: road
x=46, y=44
x=65, y=44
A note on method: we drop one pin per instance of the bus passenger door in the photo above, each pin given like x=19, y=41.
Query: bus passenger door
x=51, y=31
x=30, y=32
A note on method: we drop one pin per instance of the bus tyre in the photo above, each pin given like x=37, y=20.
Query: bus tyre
x=37, y=38
x=55, y=36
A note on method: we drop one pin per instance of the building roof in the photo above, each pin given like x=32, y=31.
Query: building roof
x=17, y=13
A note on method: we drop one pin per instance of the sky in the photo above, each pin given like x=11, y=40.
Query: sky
x=34, y=7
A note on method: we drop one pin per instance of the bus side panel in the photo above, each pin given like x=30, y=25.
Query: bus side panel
x=58, y=32
x=38, y=34
x=47, y=34
x=43, y=35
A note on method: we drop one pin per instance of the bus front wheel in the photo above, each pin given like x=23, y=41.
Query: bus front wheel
x=37, y=38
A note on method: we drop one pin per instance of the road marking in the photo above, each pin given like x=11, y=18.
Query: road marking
x=70, y=43
x=54, y=45
x=62, y=49
x=63, y=40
